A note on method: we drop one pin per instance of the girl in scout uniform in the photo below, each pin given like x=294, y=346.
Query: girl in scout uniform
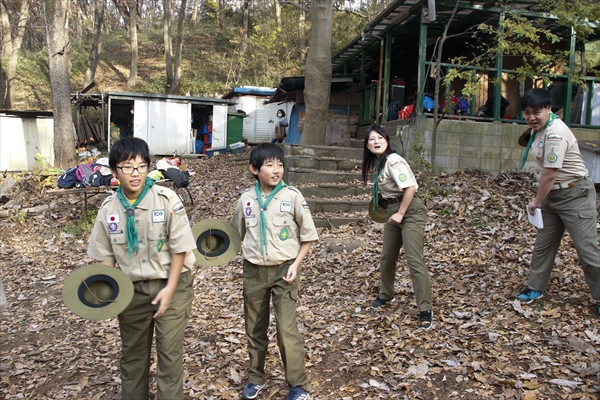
x=277, y=230
x=144, y=230
x=396, y=183
x=565, y=195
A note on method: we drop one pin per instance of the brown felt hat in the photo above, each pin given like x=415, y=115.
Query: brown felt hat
x=380, y=213
x=217, y=242
x=524, y=138
x=97, y=292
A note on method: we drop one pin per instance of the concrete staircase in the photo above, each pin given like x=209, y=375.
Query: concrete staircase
x=330, y=180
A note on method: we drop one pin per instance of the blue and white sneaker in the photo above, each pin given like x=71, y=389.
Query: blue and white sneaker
x=529, y=295
x=251, y=390
x=297, y=393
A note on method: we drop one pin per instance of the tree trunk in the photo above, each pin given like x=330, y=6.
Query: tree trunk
x=278, y=14
x=57, y=34
x=245, y=23
x=94, y=58
x=302, y=33
x=318, y=73
x=194, y=17
x=15, y=49
x=178, y=49
x=438, y=79
x=168, y=43
x=221, y=16
x=133, y=37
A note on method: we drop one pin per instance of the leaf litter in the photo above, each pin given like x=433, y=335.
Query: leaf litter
x=484, y=344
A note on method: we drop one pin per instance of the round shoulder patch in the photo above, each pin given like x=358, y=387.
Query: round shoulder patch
x=402, y=177
x=552, y=157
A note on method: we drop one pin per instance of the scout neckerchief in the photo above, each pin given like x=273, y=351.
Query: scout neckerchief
x=132, y=237
x=263, y=208
x=551, y=117
x=376, y=185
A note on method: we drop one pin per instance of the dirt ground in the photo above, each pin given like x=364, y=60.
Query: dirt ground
x=483, y=344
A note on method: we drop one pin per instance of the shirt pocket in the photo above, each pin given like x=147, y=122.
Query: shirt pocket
x=283, y=227
x=251, y=222
x=158, y=247
x=120, y=249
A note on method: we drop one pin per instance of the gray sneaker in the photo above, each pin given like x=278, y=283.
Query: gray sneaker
x=251, y=390
x=379, y=302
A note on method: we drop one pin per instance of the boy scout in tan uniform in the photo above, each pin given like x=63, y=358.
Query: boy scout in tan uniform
x=566, y=196
x=164, y=236
x=274, y=230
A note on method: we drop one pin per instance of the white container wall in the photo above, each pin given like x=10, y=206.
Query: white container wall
x=22, y=138
x=260, y=122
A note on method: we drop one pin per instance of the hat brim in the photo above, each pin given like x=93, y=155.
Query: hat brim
x=97, y=292
x=217, y=242
x=524, y=138
x=380, y=213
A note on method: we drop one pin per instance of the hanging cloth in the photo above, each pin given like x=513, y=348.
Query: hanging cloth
x=132, y=237
x=376, y=185
x=551, y=117
x=263, y=208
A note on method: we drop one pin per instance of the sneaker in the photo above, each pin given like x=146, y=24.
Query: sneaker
x=297, y=393
x=379, y=302
x=425, y=319
x=251, y=390
x=529, y=295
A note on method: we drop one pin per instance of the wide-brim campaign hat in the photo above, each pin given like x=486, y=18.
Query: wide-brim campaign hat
x=379, y=214
x=217, y=242
x=97, y=292
x=524, y=138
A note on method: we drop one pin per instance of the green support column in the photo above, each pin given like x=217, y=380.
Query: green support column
x=385, y=98
x=499, y=62
x=569, y=91
x=421, y=76
x=363, y=95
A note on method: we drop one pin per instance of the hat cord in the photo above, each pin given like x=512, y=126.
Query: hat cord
x=95, y=297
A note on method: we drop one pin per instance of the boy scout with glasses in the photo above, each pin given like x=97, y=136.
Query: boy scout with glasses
x=144, y=229
x=277, y=231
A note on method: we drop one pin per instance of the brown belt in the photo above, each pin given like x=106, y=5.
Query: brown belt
x=395, y=200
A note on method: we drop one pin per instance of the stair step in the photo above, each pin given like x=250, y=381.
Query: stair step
x=327, y=164
x=336, y=222
x=300, y=175
x=327, y=191
x=357, y=143
x=330, y=206
x=349, y=153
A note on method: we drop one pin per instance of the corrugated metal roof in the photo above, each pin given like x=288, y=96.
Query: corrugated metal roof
x=403, y=18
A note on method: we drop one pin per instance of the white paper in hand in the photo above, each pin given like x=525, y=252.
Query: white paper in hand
x=536, y=218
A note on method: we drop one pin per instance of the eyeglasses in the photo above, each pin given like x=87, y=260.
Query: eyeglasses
x=128, y=170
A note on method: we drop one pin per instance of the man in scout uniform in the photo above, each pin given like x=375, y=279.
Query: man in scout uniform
x=277, y=231
x=144, y=230
x=565, y=195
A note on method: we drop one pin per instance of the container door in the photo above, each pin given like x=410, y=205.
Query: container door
x=176, y=129
x=141, y=119
x=219, y=128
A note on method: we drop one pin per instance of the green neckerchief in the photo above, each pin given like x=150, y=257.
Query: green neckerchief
x=132, y=237
x=376, y=186
x=263, y=208
x=551, y=117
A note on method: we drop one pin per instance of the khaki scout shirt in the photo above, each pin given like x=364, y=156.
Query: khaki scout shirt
x=288, y=220
x=163, y=229
x=395, y=176
x=556, y=147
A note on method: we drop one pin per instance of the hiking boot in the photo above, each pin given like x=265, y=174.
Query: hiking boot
x=251, y=390
x=425, y=319
x=379, y=302
x=529, y=295
x=297, y=393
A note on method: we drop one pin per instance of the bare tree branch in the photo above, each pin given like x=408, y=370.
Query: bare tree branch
x=298, y=6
